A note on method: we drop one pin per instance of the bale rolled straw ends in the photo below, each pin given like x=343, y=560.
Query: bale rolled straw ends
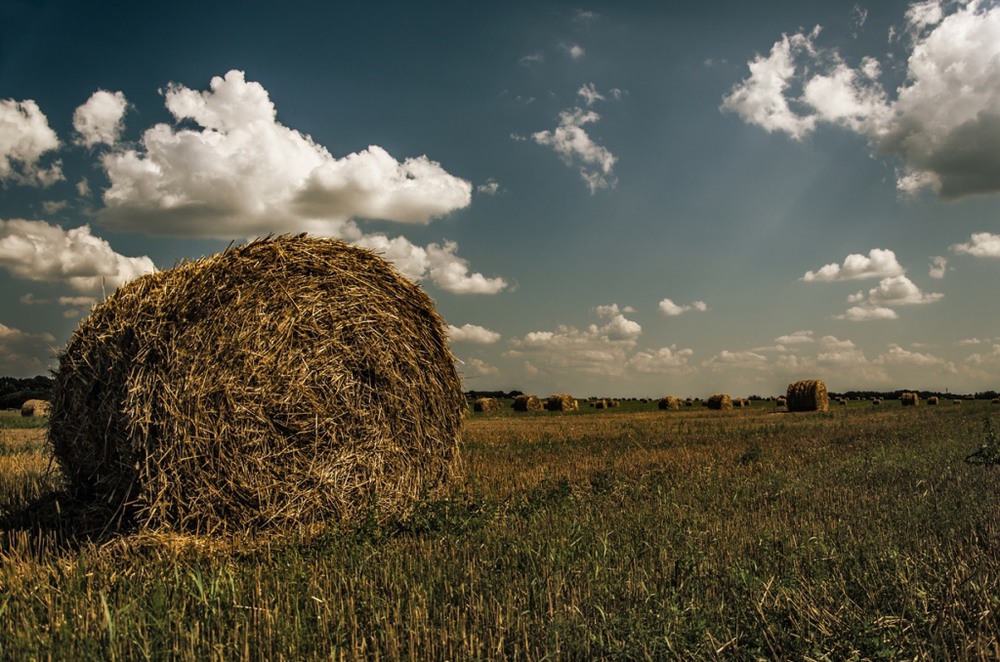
x=284, y=384
x=561, y=402
x=527, y=403
x=719, y=401
x=35, y=408
x=807, y=395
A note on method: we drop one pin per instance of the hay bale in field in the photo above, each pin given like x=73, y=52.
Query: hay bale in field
x=958, y=402
x=283, y=384
x=527, y=403
x=719, y=401
x=612, y=403
x=561, y=402
x=780, y=402
x=668, y=402
x=600, y=404
x=35, y=408
x=689, y=403
x=995, y=401
x=908, y=399
x=807, y=395
x=486, y=405
x=842, y=401
x=876, y=402
x=933, y=400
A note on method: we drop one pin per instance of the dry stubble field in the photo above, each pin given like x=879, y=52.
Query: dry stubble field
x=860, y=533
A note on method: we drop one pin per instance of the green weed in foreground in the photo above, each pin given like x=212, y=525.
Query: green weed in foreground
x=690, y=535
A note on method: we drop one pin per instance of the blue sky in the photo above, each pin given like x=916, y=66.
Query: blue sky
x=607, y=198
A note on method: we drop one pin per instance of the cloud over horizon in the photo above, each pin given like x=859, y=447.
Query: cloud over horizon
x=945, y=140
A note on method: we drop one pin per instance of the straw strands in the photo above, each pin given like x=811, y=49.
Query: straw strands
x=719, y=401
x=35, y=408
x=486, y=405
x=669, y=402
x=285, y=383
x=807, y=395
x=527, y=403
x=561, y=402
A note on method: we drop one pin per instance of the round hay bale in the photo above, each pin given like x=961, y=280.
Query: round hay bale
x=527, y=403
x=719, y=401
x=600, y=404
x=669, y=402
x=876, y=402
x=995, y=401
x=561, y=402
x=284, y=384
x=807, y=395
x=780, y=402
x=486, y=405
x=933, y=400
x=908, y=399
x=612, y=403
x=958, y=402
x=35, y=408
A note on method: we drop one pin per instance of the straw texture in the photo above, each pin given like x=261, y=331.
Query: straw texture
x=286, y=383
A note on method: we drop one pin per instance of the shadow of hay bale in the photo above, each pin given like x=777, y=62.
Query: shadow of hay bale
x=289, y=383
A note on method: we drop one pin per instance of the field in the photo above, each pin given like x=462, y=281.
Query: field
x=630, y=533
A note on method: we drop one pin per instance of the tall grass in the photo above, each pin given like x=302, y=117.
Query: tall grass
x=645, y=535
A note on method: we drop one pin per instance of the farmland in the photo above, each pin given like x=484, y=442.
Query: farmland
x=625, y=533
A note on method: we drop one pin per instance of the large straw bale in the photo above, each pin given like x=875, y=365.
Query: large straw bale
x=909, y=399
x=669, y=402
x=719, y=401
x=807, y=395
x=561, y=402
x=486, y=405
x=527, y=403
x=283, y=384
x=35, y=408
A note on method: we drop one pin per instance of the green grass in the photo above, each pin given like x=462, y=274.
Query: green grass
x=854, y=534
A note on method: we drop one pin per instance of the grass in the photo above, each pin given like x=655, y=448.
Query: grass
x=854, y=534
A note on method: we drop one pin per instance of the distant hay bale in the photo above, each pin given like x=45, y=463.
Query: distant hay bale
x=486, y=405
x=719, y=401
x=933, y=400
x=876, y=402
x=280, y=385
x=958, y=402
x=689, y=403
x=669, y=402
x=780, y=402
x=35, y=408
x=600, y=404
x=561, y=402
x=995, y=401
x=807, y=395
x=527, y=403
x=612, y=403
x=908, y=399
x=842, y=401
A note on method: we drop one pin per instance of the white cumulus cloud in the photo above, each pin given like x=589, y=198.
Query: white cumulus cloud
x=981, y=244
x=577, y=149
x=242, y=173
x=879, y=263
x=942, y=122
x=867, y=314
x=939, y=267
x=100, y=119
x=25, y=136
x=439, y=263
x=38, y=251
x=900, y=291
x=663, y=360
x=671, y=309
x=472, y=333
